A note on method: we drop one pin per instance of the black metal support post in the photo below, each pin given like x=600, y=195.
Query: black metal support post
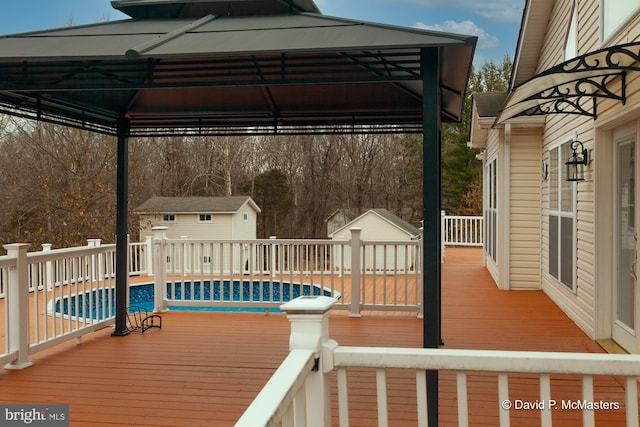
x=122, y=192
x=431, y=269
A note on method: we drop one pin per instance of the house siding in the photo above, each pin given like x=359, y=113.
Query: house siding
x=188, y=225
x=241, y=229
x=579, y=304
x=374, y=228
x=524, y=209
x=590, y=302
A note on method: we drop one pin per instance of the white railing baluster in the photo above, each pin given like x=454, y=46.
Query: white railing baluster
x=299, y=408
x=588, y=419
x=463, y=411
x=343, y=397
x=504, y=404
x=631, y=393
x=381, y=392
x=287, y=418
x=421, y=398
x=545, y=397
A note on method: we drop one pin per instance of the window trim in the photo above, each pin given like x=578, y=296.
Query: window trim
x=572, y=34
x=623, y=22
x=560, y=214
x=208, y=218
x=491, y=211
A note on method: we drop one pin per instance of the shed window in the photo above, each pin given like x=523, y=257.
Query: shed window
x=169, y=218
x=205, y=218
x=561, y=218
x=245, y=217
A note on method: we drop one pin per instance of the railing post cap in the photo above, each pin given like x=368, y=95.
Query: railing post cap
x=16, y=246
x=159, y=228
x=309, y=305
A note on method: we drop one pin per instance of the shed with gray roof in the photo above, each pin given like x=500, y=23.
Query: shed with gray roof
x=221, y=218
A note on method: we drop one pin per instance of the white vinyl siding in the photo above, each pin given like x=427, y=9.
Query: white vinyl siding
x=244, y=224
x=221, y=226
x=524, y=210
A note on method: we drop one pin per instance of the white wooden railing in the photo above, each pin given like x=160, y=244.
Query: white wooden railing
x=463, y=231
x=70, y=292
x=269, y=272
x=330, y=356
x=53, y=296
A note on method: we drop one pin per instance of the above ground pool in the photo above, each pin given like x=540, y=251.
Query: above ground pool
x=95, y=304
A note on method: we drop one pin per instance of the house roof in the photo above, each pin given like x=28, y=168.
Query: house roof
x=489, y=104
x=570, y=87
x=349, y=213
x=177, y=205
x=229, y=66
x=485, y=108
x=533, y=29
x=387, y=216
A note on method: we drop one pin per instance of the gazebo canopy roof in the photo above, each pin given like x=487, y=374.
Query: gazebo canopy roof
x=169, y=9
x=206, y=66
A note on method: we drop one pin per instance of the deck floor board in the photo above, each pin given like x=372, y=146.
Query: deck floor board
x=204, y=369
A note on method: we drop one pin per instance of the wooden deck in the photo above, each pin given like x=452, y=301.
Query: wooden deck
x=204, y=369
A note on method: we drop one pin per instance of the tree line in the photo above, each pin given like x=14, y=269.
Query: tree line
x=58, y=184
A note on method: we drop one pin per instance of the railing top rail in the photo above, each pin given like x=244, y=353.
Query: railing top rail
x=417, y=242
x=60, y=253
x=490, y=360
x=254, y=241
x=308, y=242
x=268, y=408
x=7, y=261
x=475, y=217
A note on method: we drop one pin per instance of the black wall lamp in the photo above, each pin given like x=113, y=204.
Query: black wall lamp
x=577, y=161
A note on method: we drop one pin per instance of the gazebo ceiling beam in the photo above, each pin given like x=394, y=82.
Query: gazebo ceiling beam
x=86, y=75
x=98, y=85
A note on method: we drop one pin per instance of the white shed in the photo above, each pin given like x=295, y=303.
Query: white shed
x=384, y=234
x=221, y=218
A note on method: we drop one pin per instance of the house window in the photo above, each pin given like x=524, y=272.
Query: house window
x=205, y=218
x=571, y=45
x=615, y=13
x=169, y=218
x=245, y=217
x=491, y=213
x=561, y=218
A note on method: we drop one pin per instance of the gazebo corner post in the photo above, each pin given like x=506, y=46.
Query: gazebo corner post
x=122, y=210
x=432, y=250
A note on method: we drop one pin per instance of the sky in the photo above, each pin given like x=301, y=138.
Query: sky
x=495, y=22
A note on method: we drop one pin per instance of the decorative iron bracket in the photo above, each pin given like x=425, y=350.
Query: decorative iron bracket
x=575, y=86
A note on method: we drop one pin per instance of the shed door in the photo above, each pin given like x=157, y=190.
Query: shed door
x=625, y=321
